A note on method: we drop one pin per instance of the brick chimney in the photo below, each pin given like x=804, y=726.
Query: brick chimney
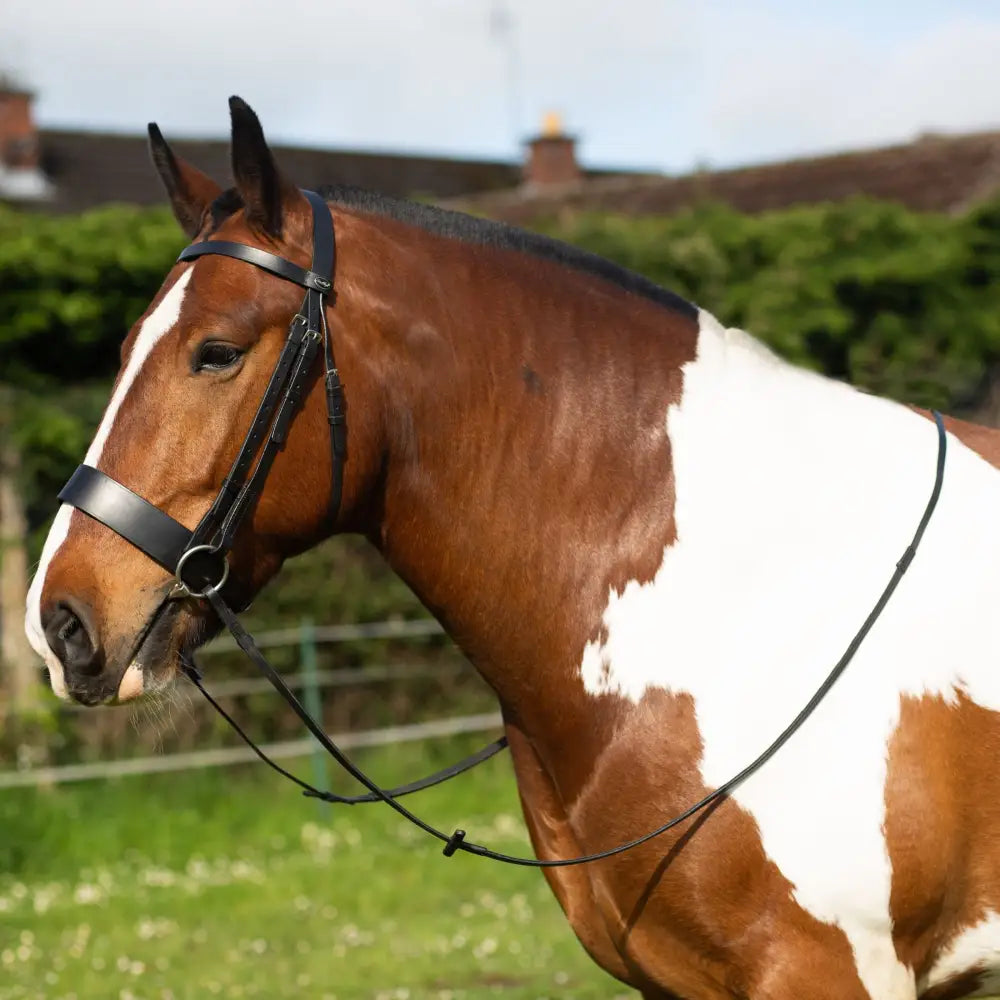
x=551, y=157
x=19, y=147
x=21, y=176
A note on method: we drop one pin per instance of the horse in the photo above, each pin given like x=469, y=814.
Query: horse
x=649, y=534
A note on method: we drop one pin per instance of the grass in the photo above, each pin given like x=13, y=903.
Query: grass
x=228, y=883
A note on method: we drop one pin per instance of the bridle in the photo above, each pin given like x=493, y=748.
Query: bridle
x=199, y=559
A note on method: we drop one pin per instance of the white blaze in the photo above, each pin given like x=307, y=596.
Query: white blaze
x=156, y=325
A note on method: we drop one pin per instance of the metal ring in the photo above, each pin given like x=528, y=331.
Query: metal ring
x=183, y=590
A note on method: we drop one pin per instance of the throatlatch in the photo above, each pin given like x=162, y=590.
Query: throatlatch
x=199, y=559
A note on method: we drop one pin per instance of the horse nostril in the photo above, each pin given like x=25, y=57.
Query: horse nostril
x=70, y=628
x=70, y=639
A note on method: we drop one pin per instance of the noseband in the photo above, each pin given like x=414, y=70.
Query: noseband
x=199, y=559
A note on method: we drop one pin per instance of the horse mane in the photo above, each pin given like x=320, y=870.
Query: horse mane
x=482, y=232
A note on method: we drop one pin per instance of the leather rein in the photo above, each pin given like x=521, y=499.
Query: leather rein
x=199, y=559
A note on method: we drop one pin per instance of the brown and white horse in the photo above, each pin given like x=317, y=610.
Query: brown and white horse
x=649, y=534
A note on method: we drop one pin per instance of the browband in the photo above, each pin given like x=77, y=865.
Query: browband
x=259, y=258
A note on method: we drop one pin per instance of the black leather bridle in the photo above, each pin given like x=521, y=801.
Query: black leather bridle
x=199, y=559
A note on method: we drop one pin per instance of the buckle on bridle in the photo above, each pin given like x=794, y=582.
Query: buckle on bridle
x=184, y=589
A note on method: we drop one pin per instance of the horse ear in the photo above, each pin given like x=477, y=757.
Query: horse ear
x=190, y=191
x=258, y=180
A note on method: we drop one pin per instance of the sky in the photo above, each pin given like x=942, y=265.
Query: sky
x=645, y=84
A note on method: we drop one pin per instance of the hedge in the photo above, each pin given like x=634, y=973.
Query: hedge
x=902, y=303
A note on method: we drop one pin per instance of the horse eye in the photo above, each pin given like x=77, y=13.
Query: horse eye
x=215, y=356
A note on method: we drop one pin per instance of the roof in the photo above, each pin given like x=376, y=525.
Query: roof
x=91, y=168
x=933, y=173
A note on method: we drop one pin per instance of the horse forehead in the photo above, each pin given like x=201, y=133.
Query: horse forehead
x=160, y=320
x=160, y=317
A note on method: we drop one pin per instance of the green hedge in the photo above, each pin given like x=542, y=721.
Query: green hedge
x=900, y=302
x=70, y=286
x=903, y=303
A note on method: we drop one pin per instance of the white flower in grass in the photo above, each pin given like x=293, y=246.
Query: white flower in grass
x=158, y=877
x=44, y=896
x=198, y=869
x=487, y=946
x=87, y=894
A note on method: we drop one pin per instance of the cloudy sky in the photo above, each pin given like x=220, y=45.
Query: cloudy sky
x=664, y=84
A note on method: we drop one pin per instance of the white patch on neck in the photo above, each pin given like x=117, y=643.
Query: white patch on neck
x=156, y=325
x=795, y=497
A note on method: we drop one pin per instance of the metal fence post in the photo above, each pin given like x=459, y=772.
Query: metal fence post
x=314, y=703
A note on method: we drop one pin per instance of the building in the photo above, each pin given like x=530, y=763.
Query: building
x=70, y=171
x=939, y=173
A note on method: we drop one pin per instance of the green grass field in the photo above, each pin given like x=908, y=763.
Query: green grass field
x=228, y=883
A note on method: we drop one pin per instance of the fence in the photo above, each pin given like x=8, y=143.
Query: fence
x=310, y=681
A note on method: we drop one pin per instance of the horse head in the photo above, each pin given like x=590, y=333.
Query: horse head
x=193, y=369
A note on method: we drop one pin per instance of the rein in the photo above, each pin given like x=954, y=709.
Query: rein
x=199, y=559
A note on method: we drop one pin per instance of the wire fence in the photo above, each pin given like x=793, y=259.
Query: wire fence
x=310, y=681
x=221, y=756
x=414, y=628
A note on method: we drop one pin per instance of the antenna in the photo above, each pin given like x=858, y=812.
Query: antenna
x=503, y=29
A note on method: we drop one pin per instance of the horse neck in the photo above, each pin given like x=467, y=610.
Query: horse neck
x=527, y=467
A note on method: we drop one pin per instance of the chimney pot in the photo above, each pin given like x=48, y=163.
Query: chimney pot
x=551, y=156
